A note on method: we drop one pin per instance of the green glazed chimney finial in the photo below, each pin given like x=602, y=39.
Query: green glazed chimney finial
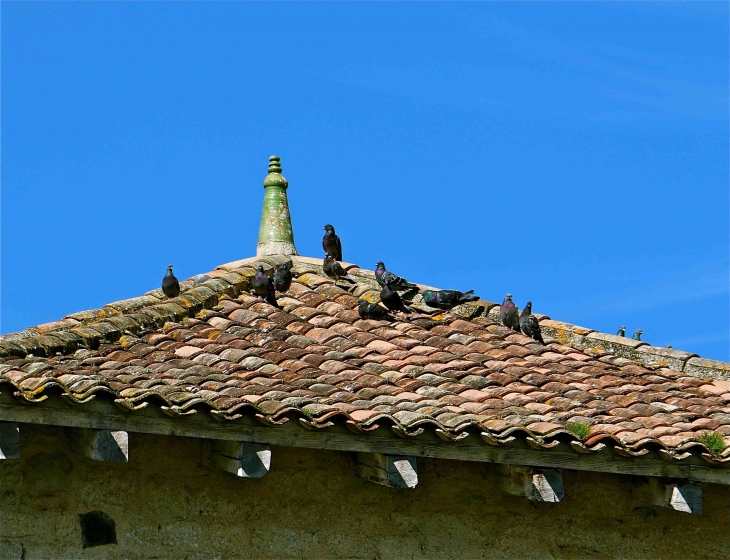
x=275, y=235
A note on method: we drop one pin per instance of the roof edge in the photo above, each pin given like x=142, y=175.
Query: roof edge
x=556, y=448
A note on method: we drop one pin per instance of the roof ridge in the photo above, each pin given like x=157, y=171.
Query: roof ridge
x=88, y=329
x=112, y=320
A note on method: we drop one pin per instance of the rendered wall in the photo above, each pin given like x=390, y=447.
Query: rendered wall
x=311, y=505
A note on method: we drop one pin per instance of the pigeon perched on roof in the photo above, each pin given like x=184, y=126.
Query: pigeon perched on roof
x=200, y=278
x=392, y=300
x=170, y=285
x=331, y=242
x=621, y=331
x=369, y=310
x=334, y=270
x=384, y=277
x=263, y=285
x=447, y=299
x=637, y=334
x=509, y=314
x=529, y=325
x=282, y=278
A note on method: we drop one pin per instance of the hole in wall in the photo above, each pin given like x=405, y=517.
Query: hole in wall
x=97, y=528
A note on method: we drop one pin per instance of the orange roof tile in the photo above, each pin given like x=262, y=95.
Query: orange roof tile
x=219, y=347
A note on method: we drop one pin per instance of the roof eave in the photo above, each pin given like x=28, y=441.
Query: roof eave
x=103, y=414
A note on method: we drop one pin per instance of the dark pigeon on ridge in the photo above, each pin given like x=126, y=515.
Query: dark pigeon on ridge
x=529, y=325
x=331, y=242
x=392, y=300
x=263, y=285
x=447, y=299
x=395, y=282
x=334, y=270
x=509, y=314
x=282, y=278
x=621, y=331
x=170, y=285
x=369, y=310
x=637, y=334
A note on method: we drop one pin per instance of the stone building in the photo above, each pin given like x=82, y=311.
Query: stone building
x=214, y=425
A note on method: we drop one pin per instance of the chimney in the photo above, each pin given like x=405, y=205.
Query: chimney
x=275, y=234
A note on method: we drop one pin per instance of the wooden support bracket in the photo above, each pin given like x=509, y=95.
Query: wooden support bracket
x=247, y=460
x=396, y=471
x=540, y=485
x=679, y=495
x=9, y=440
x=100, y=445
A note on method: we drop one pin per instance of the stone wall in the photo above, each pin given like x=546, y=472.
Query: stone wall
x=311, y=505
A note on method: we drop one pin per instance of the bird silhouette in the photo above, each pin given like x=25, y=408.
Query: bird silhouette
x=331, y=242
x=334, y=270
x=447, y=299
x=392, y=300
x=170, y=285
x=509, y=314
x=263, y=285
x=282, y=278
x=529, y=324
x=368, y=310
x=384, y=277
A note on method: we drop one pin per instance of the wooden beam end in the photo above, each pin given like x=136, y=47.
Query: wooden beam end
x=679, y=495
x=537, y=484
x=395, y=471
x=9, y=440
x=245, y=460
x=100, y=445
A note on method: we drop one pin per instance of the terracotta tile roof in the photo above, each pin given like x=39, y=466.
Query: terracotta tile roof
x=218, y=348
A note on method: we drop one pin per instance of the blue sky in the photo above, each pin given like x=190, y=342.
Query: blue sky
x=573, y=154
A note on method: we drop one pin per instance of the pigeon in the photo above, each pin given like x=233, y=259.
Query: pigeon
x=369, y=310
x=509, y=314
x=200, y=278
x=637, y=334
x=528, y=324
x=363, y=308
x=447, y=299
x=331, y=242
x=396, y=282
x=334, y=270
x=170, y=285
x=392, y=300
x=263, y=285
x=282, y=278
x=621, y=331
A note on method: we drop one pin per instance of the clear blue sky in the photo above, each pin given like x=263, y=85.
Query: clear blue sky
x=574, y=154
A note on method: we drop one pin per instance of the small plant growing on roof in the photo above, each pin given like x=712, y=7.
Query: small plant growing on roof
x=714, y=442
x=579, y=429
